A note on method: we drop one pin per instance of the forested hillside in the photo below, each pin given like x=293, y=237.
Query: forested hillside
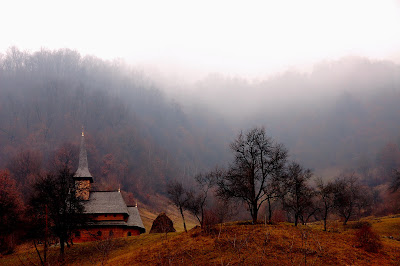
x=343, y=115
x=136, y=137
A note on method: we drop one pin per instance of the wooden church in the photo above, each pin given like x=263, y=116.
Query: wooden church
x=109, y=216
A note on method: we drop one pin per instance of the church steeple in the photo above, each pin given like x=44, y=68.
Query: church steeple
x=82, y=176
x=83, y=169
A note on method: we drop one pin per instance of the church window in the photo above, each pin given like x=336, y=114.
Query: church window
x=129, y=233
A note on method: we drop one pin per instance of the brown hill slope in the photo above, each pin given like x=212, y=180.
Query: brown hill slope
x=237, y=243
x=160, y=204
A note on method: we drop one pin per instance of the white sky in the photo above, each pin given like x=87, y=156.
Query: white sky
x=233, y=37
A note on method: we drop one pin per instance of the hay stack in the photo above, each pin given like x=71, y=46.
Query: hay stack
x=162, y=224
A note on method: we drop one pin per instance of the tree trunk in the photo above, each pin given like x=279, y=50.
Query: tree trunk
x=183, y=218
x=325, y=218
x=296, y=219
x=269, y=211
x=202, y=219
x=62, y=246
x=199, y=220
x=40, y=257
x=254, y=213
x=345, y=220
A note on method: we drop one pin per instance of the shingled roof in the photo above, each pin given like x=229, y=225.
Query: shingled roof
x=134, y=218
x=105, y=202
x=83, y=168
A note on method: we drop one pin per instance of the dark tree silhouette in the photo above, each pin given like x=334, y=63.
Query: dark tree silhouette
x=325, y=195
x=198, y=200
x=298, y=197
x=11, y=209
x=180, y=197
x=273, y=192
x=257, y=159
x=349, y=197
x=65, y=210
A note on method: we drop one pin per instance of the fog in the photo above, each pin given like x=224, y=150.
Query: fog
x=250, y=39
x=150, y=127
x=165, y=86
x=339, y=111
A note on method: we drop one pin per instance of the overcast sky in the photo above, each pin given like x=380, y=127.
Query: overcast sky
x=248, y=38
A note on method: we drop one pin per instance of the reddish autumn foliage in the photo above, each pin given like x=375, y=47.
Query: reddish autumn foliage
x=11, y=209
x=25, y=168
x=64, y=157
x=11, y=204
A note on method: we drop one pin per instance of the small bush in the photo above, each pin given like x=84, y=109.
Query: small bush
x=209, y=221
x=368, y=239
x=359, y=225
x=7, y=244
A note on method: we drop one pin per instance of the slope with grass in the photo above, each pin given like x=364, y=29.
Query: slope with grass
x=237, y=243
x=162, y=204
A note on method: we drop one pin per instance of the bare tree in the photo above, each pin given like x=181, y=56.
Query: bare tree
x=257, y=159
x=273, y=192
x=198, y=201
x=349, y=197
x=325, y=194
x=180, y=197
x=298, y=194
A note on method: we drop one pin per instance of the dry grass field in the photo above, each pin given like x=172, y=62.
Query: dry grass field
x=237, y=243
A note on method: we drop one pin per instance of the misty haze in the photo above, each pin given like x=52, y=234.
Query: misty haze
x=235, y=133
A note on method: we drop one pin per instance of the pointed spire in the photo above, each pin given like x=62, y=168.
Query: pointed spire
x=83, y=168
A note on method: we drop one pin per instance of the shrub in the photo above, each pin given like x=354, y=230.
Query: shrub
x=359, y=224
x=7, y=244
x=209, y=221
x=368, y=239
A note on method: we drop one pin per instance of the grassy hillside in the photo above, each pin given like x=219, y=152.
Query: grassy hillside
x=236, y=243
x=163, y=204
